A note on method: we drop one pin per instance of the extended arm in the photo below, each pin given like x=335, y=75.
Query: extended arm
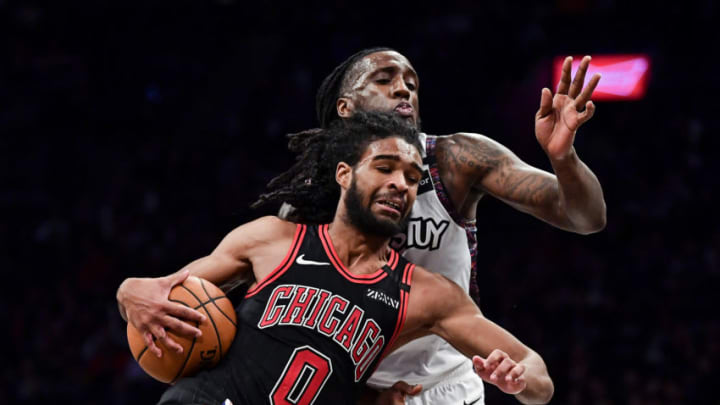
x=144, y=301
x=570, y=199
x=439, y=306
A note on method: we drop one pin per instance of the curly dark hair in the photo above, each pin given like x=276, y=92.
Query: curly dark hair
x=309, y=185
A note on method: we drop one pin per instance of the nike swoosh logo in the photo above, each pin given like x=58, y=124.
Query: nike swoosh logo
x=473, y=402
x=300, y=260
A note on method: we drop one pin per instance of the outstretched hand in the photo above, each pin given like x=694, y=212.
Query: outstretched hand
x=147, y=307
x=502, y=371
x=560, y=116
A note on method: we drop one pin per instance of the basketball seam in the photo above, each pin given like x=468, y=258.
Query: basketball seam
x=190, y=350
x=216, y=305
x=141, y=353
x=212, y=301
x=217, y=334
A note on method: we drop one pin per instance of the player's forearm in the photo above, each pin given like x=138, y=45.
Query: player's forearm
x=580, y=195
x=540, y=387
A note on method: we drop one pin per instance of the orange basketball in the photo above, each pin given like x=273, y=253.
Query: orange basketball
x=218, y=332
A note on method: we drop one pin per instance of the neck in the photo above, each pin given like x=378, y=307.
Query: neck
x=360, y=253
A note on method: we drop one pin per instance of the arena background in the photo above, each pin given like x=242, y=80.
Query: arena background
x=134, y=135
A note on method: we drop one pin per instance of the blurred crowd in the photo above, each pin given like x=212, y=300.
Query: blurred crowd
x=133, y=137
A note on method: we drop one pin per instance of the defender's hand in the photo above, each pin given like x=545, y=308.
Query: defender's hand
x=396, y=394
x=147, y=307
x=560, y=116
x=500, y=370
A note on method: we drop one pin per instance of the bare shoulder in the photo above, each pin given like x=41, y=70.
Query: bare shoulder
x=273, y=226
x=260, y=232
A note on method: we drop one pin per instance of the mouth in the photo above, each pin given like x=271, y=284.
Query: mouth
x=393, y=207
x=404, y=110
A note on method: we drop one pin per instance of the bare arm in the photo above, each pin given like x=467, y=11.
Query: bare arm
x=246, y=252
x=571, y=199
x=439, y=306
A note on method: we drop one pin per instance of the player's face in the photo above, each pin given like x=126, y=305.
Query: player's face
x=384, y=186
x=385, y=81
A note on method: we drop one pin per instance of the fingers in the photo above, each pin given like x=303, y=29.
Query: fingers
x=502, y=372
x=478, y=364
x=564, y=84
x=587, y=91
x=183, y=312
x=407, y=389
x=492, y=362
x=159, y=333
x=576, y=89
x=546, y=102
x=588, y=113
x=171, y=344
x=162, y=336
x=396, y=394
x=150, y=342
x=181, y=328
x=495, y=358
x=579, y=79
x=178, y=278
x=515, y=373
x=497, y=365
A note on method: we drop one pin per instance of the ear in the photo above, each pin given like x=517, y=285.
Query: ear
x=343, y=175
x=345, y=107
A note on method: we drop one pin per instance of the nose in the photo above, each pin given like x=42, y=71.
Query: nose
x=400, y=89
x=399, y=182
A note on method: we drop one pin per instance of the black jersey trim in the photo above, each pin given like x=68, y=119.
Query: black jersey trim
x=340, y=267
x=402, y=313
x=284, y=265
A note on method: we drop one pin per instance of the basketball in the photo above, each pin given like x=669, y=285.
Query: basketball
x=218, y=332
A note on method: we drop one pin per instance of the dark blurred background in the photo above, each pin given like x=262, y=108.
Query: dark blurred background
x=134, y=135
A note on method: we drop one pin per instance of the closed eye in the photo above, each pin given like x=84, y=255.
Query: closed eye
x=410, y=86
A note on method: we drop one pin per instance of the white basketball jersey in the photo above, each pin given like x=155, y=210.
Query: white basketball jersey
x=440, y=241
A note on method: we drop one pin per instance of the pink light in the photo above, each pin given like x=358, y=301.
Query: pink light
x=624, y=77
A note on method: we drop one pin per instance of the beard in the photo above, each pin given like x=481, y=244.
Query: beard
x=362, y=217
x=415, y=123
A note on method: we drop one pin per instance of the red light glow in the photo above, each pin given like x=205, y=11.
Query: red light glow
x=624, y=77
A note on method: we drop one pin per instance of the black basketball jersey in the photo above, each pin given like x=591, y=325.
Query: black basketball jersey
x=312, y=332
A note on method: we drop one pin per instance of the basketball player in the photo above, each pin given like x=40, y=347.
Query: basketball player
x=460, y=169
x=329, y=301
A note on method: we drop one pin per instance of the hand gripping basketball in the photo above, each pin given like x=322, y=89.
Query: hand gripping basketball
x=218, y=331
